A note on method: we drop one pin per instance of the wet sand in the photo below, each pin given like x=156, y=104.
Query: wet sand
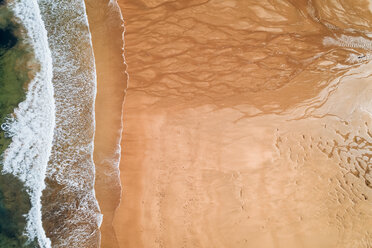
x=106, y=29
x=247, y=124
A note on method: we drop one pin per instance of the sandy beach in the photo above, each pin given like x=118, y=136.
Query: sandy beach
x=243, y=127
x=186, y=123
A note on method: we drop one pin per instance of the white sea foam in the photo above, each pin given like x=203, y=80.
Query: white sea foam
x=32, y=124
x=349, y=41
x=71, y=164
x=353, y=43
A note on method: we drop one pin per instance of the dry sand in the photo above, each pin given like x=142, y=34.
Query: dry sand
x=247, y=124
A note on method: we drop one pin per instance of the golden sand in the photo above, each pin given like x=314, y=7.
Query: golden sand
x=246, y=124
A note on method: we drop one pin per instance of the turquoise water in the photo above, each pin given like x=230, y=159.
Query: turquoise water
x=14, y=58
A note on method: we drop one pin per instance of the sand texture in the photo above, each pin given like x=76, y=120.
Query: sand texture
x=246, y=124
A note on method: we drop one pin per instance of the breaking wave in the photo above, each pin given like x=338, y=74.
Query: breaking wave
x=31, y=126
x=69, y=198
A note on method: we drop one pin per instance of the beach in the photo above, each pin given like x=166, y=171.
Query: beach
x=245, y=125
x=189, y=123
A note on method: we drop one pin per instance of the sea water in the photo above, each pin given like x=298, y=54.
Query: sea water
x=69, y=198
x=47, y=93
x=29, y=128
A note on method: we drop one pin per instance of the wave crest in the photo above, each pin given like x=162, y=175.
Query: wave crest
x=32, y=124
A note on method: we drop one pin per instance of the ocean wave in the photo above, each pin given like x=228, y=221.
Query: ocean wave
x=31, y=126
x=69, y=198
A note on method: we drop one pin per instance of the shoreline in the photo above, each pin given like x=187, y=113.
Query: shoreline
x=107, y=36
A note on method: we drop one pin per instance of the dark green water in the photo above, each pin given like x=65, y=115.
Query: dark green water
x=14, y=200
